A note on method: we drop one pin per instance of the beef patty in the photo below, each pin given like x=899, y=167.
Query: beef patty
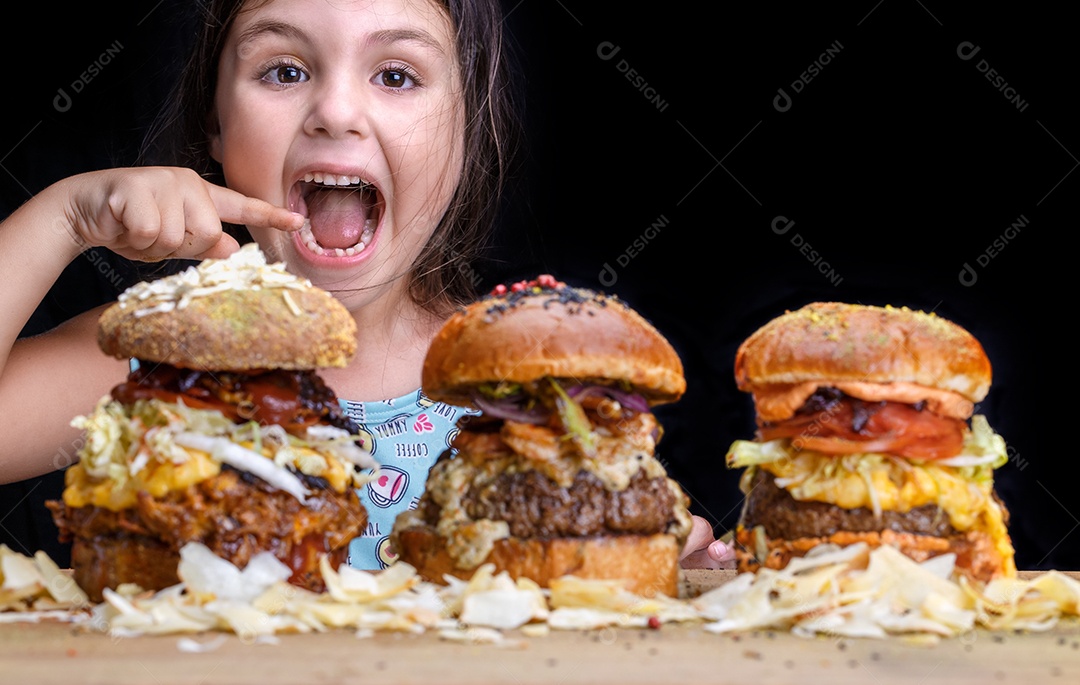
x=534, y=506
x=786, y=518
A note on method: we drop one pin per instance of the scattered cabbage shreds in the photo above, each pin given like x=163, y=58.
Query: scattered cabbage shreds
x=855, y=592
x=851, y=592
x=578, y=603
x=495, y=600
x=36, y=588
x=1036, y=604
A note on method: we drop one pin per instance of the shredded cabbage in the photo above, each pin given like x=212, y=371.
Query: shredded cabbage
x=121, y=441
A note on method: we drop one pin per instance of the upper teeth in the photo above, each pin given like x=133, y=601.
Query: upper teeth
x=331, y=179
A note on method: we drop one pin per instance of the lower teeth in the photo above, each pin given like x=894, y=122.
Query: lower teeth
x=308, y=239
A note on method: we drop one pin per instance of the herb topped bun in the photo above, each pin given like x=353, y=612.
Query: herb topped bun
x=558, y=474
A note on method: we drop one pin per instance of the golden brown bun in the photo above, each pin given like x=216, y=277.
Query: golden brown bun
x=837, y=342
x=236, y=330
x=563, y=333
x=647, y=564
x=976, y=556
x=110, y=562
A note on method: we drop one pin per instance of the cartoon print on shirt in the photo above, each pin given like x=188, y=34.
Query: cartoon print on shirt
x=384, y=552
x=422, y=400
x=406, y=446
x=450, y=435
x=389, y=486
x=423, y=424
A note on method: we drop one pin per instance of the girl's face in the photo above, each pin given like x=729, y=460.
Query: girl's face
x=348, y=112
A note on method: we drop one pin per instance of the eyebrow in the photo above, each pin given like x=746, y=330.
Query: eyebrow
x=381, y=37
x=390, y=36
x=265, y=26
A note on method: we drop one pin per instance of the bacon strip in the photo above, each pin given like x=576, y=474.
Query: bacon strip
x=779, y=402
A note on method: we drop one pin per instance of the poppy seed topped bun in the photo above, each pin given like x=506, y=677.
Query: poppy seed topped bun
x=525, y=335
x=234, y=314
x=857, y=343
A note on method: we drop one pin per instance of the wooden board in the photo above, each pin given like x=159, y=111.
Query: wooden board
x=60, y=653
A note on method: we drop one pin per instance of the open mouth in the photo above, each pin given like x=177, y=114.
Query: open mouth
x=342, y=212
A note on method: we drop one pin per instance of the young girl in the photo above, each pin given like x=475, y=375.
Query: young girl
x=363, y=144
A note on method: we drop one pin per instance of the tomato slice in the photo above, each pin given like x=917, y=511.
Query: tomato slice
x=849, y=425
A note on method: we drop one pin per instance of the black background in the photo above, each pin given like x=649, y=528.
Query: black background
x=660, y=169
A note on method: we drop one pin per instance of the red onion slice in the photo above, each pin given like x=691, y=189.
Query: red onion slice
x=630, y=400
x=511, y=409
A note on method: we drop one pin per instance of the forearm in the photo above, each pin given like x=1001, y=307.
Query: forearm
x=46, y=380
x=37, y=242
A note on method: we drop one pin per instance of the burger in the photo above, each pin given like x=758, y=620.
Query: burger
x=556, y=473
x=866, y=432
x=222, y=434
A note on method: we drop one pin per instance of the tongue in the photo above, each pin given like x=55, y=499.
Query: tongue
x=337, y=217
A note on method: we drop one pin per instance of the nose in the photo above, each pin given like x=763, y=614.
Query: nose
x=338, y=107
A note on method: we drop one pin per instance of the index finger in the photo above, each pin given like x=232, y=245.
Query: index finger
x=237, y=208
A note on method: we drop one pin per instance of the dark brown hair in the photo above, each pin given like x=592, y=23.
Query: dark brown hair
x=443, y=276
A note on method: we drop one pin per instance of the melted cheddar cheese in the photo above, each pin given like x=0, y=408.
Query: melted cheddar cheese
x=133, y=449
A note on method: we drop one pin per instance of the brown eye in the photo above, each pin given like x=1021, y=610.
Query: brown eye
x=397, y=76
x=284, y=73
x=394, y=79
x=289, y=74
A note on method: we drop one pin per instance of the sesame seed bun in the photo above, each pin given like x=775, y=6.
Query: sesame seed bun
x=559, y=332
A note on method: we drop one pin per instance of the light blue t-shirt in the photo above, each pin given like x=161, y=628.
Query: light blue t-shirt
x=406, y=436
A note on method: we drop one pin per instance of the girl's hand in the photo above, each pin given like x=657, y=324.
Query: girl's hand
x=155, y=213
x=703, y=550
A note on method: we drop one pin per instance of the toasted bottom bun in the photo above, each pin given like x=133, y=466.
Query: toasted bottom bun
x=109, y=562
x=976, y=556
x=646, y=564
